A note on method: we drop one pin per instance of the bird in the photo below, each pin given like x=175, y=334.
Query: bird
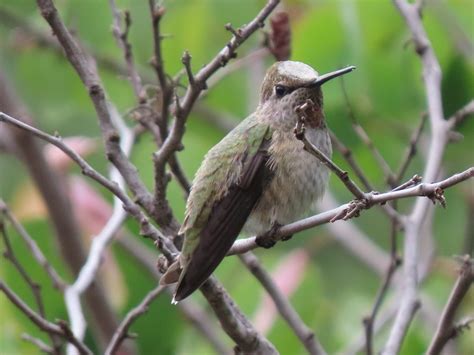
x=257, y=178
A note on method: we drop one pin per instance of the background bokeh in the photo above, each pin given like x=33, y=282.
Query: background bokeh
x=336, y=290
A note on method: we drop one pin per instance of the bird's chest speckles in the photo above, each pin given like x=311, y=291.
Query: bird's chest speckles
x=299, y=180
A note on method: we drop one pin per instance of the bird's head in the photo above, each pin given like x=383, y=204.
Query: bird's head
x=289, y=84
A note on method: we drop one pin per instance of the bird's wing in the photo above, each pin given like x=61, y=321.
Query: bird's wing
x=212, y=231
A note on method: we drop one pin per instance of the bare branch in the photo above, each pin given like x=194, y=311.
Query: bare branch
x=48, y=327
x=446, y=328
x=10, y=255
x=197, y=83
x=348, y=156
x=283, y=306
x=31, y=244
x=439, y=130
x=89, y=270
x=234, y=322
x=424, y=189
x=87, y=72
x=461, y=114
x=226, y=310
x=54, y=192
x=369, y=321
x=302, y=112
x=353, y=239
x=41, y=345
x=191, y=311
x=227, y=53
x=122, y=40
x=35, y=287
x=364, y=137
x=236, y=65
x=411, y=150
x=122, y=331
x=147, y=229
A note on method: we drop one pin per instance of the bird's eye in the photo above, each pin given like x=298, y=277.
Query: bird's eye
x=281, y=90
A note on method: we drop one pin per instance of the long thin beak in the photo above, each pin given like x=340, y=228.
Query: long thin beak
x=334, y=74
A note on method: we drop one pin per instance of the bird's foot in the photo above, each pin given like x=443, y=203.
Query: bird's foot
x=267, y=240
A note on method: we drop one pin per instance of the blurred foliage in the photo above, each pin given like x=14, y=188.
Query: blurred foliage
x=387, y=96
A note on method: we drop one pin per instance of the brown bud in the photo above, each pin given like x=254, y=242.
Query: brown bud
x=280, y=36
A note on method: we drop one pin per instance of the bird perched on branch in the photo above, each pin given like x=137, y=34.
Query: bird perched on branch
x=257, y=178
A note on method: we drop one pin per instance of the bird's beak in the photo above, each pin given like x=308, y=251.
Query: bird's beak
x=334, y=74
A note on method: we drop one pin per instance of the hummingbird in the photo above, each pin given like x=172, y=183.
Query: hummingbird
x=257, y=178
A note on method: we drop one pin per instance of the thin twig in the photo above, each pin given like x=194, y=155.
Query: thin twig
x=311, y=148
x=88, y=74
x=53, y=190
x=460, y=115
x=245, y=335
x=395, y=262
x=446, y=329
x=439, y=136
x=191, y=311
x=34, y=248
x=35, y=287
x=122, y=40
x=122, y=331
x=46, y=326
x=364, y=137
x=411, y=149
x=147, y=229
x=428, y=190
x=161, y=119
x=348, y=156
x=166, y=90
x=41, y=345
x=10, y=255
x=183, y=106
x=284, y=307
x=89, y=270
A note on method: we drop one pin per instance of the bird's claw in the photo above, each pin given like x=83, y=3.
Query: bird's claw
x=267, y=240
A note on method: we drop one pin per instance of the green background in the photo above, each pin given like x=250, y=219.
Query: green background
x=387, y=96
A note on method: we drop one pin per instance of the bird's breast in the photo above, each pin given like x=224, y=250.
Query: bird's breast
x=299, y=181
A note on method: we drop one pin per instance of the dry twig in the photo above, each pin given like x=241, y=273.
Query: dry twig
x=284, y=307
x=446, y=328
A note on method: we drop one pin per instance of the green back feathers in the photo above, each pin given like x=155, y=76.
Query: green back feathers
x=221, y=168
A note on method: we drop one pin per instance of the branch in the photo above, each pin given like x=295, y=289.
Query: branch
x=224, y=307
x=34, y=248
x=62, y=329
x=348, y=156
x=446, y=329
x=283, y=306
x=122, y=40
x=122, y=331
x=192, y=312
x=89, y=76
x=88, y=170
x=432, y=191
x=439, y=127
x=411, y=150
x=227, y=53
x=33, y=285
x=354, y=240
x=234, y=322
x=157, y=12
x=302, y=112
x=41, y=345
x=53, y=190
x=364, y=137
x=89, y=270
x=461, y=114
x=197, y=83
